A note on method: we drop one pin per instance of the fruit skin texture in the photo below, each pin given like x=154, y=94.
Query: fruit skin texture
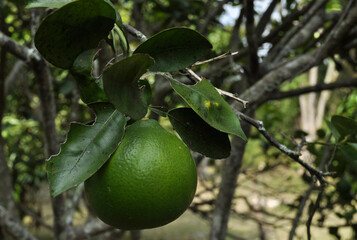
x=149, y=181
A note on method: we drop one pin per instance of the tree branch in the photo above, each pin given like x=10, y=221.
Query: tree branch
x=346, y=22
x=25, y=54
x=346, y=83
x=300, y=64
x=290, y=39
x=235, y=39
x=44, y=79
x=264, y=20
x=91, y=229
x=282, y=148
x=323, y=164
x=12, y=227
x=253, y=63
x=136, y=33
x=315, y=206
x=6, y=187
x=286, y=23
x=212, y=14
x=231, y=168
x=274, y=77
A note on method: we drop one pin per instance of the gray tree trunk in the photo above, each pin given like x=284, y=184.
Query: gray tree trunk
x=230, y=173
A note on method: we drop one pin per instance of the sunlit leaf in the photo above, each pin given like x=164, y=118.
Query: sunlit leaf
x=204, y=99
x=175, y=48
x=86, y=149
x=198, y=135
x=47, y=3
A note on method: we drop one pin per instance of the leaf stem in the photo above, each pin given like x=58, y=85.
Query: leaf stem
x=222, y=56
x=220, y=91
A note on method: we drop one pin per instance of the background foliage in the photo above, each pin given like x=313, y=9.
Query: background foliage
x=271, y=188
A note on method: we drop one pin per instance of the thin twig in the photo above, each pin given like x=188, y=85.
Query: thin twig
x=290, y=153
x=300, y=211
x=303, y=202
x=224, y=55
x=323, y=164
x=316, y=205
x=194, y=75
x=233, y=96
x=220, y=91
x=136, y=33
x=141, y=37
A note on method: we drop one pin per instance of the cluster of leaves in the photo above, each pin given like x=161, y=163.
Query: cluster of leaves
x=345, y=165
x=68, y=38
x=26, y=153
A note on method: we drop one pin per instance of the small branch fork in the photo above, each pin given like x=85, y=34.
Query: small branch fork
x=141, y=37
x=318, y=174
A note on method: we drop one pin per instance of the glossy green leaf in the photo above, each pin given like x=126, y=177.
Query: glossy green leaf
x=73, y=29
x=198, y=135
x=90, y=88
x=47, y=3
x=204, y=99
x=344, y=126
x=121, y=84
x=86, y=149
x=175, y=48
x=60, y=3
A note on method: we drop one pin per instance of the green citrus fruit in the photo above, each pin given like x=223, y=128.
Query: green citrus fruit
x=149, y=181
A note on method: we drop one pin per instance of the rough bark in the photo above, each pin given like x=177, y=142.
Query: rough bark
x=256, y=94
x=291, y=36
x=43, y=77
x=231, y=168
x=6, y=187
x=265, y=19
x=12, y=227
x=253, y=61
x=44, y=81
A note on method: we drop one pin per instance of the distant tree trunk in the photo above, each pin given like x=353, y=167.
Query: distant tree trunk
x=313, y=106
x=308, y=107
x=6, y=186
x=44, y=79
x=231, y=168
